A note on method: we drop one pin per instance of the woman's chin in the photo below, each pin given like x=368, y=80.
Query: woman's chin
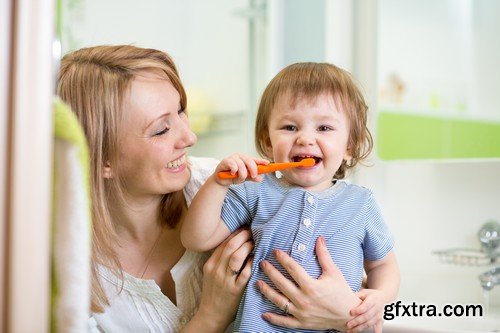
x=176, y=181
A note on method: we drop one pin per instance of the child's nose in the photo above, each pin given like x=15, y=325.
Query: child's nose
x=305, y=139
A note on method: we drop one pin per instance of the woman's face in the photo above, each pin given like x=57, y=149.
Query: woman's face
x=155, y=135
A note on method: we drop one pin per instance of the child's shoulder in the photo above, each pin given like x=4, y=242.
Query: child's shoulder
x=250, y=188
x=355, y=189
x=266, y=183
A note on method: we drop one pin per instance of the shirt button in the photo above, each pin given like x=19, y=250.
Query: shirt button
x=310, y=199
x=307, y=222
x=184, y=320
x=301, y=247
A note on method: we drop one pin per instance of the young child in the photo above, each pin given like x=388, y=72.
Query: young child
x=309, y=110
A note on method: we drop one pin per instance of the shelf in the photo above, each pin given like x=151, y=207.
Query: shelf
x=217, y=124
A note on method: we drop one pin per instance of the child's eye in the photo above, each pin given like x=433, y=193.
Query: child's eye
x=290, y=128
x=325, y=128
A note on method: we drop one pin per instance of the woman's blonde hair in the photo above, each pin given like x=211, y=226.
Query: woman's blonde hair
x=307, y=81
x=94, y=82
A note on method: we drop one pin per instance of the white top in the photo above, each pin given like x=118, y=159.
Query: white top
x=140, y=306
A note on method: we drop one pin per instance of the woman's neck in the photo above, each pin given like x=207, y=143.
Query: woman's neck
x=137, y=220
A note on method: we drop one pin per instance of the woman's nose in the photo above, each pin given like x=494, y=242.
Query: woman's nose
x=186, y=137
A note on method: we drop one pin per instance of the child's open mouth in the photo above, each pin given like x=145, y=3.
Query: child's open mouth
x=299, y=158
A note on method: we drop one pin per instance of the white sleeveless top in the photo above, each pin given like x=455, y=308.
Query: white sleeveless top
x=138, y=305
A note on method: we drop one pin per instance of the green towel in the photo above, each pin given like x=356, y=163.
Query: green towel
x=71, y=227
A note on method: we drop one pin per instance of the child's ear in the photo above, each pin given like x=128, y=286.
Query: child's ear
x=106, y=171
x=348, y=154
x=268, y=149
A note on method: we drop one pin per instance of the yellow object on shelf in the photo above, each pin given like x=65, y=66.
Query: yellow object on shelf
x=198, y=109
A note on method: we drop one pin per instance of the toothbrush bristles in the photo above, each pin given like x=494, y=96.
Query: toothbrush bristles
x=308, y=162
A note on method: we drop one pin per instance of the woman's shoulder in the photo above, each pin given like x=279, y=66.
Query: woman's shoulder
x=201, y=168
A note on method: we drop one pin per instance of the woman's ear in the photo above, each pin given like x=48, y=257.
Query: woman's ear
x=106, y=171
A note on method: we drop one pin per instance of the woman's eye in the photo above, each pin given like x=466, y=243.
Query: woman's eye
x=165, y=130
x=325, y=128
x=181, y=110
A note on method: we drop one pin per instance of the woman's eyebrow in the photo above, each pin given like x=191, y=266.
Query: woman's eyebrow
x=166, y=114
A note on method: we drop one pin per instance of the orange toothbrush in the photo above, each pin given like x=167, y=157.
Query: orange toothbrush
x=271, y=167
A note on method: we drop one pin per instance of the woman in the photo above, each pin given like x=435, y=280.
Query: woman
x=132, y=106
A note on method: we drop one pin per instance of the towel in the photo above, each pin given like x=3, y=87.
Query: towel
x=71, y=228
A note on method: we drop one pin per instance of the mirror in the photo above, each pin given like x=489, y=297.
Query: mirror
x=437, y=71
x=209, y=42
x=438, y=79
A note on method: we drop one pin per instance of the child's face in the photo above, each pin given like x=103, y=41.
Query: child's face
x=314, y=128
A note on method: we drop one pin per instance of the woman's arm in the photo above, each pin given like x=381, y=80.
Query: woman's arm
x=322, y=303
x=222, y=289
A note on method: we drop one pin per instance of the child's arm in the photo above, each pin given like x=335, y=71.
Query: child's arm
x=383, y=287
x=203, y=228
x=383, y=275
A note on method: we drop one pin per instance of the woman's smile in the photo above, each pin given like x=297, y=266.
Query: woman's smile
x=177, y=165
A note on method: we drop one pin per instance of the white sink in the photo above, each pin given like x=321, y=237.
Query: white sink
x=442, y=324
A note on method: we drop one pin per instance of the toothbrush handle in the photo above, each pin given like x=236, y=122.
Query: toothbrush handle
x=226, y=175
x=271, y=167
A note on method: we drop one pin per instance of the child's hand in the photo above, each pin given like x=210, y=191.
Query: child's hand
x=369, y=313
x=244, y=166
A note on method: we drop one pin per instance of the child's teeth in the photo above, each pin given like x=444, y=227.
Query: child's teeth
x=176, y=163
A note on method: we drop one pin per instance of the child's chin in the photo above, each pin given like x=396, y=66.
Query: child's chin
x=305, y=183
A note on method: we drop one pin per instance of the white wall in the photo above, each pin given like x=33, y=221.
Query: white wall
x=435, y=206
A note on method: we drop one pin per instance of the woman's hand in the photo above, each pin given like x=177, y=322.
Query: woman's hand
x=225, y=276
x=311, y=304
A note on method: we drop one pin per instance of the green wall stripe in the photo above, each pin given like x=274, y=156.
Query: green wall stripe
x=405, y=136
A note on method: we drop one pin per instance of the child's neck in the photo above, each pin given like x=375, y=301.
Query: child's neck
x=285, y=183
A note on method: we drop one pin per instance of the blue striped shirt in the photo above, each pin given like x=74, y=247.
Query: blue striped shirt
x=291, y=219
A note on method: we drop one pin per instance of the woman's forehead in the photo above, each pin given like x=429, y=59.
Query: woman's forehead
x=149, y=98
